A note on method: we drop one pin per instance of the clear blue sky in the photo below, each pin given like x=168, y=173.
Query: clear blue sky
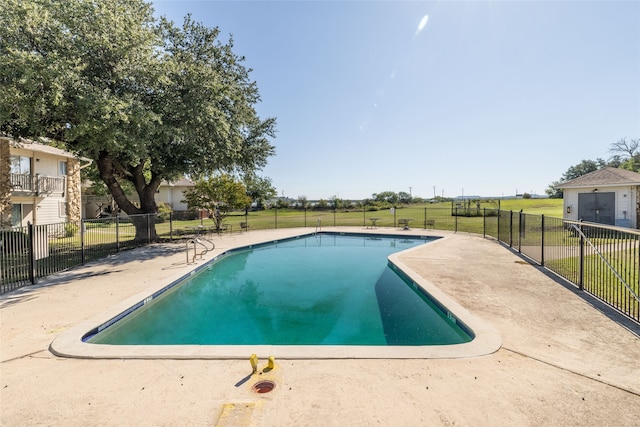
x=474, y=98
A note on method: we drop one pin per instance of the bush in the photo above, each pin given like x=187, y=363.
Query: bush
x=164, y=212
x=70, y=229
x=185, y=215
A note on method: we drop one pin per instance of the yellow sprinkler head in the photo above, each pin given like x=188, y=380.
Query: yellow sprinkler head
x=271, y=363
x=254, y=362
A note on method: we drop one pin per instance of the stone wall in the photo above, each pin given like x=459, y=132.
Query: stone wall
x=73, y=191
x=5, y=183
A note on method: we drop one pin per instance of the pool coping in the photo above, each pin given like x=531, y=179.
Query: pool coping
x=486, y=339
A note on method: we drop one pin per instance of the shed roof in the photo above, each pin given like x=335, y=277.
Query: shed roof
x=181, y=182
x=603, y=177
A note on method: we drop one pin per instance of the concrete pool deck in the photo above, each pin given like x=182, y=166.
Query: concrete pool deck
x=564, y=360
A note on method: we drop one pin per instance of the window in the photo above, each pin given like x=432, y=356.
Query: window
x=63, y=168
x=21, y=165
x=16, y=214
x=63, y=209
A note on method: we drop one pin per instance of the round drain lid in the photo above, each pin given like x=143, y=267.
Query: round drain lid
x=263, y=386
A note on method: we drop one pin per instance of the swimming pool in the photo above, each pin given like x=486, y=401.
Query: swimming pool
x=324, y=289
x=73, y=341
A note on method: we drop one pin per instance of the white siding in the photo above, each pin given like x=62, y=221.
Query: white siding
x=625, y=207
x=48, y=211
x=173, y=196
x=47, y=208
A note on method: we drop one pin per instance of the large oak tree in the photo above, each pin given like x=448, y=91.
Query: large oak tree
x=145, y=99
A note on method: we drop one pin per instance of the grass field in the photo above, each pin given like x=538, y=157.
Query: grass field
x=420, y=216
x=550, y=207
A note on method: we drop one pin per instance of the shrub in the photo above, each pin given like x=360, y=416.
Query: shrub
x=70, y=229
x=164, y=212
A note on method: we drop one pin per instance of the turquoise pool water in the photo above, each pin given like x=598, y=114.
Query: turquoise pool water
x=325, y=289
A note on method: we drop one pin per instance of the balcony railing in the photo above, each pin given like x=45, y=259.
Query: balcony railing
x=38, y=185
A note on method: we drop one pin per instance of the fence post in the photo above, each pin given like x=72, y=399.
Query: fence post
x=455, y=227
x=334, y=216
x=170, y=225
x=117, y=233
x=394, y=217
x=581, y=260
x=148, y=229
x=83, y=230
x=32, y=253
x=542, y=240
x=520, y=231
x=510, y=229
x=305, y=216
x=276, y=210
x=425, y=218
x=484, y=223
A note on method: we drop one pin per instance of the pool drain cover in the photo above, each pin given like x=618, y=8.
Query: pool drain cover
x=263, y=386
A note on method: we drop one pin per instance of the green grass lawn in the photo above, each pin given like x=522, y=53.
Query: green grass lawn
x=419, y=216
x=550, y=207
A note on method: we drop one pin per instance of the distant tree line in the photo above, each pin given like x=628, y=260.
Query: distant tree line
x=625, y=155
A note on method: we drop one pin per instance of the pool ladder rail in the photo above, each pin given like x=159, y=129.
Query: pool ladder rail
x=198, y=243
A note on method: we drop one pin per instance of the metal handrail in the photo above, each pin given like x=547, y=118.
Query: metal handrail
x=213, y=245
x=585, y=238
x=195, y=242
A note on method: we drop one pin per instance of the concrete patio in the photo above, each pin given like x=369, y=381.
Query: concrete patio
x=565, y=359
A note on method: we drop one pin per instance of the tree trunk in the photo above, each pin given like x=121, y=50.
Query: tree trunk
x=145, y=227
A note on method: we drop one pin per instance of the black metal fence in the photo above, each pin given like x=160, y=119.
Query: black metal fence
x=36, y=251
x=599, y=259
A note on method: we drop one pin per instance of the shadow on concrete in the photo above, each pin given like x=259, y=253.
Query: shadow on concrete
x=596, y=303
x=102, y=267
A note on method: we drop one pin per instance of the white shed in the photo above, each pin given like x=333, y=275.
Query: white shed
x=607, y=196
x=172, y=193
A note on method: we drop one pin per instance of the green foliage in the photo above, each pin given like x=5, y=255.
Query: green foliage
x=218, y=195
x=322, y=205
x=626, y=155
x=70, y=229
x=389, y=197
x=336, y=203
x=282, y=204
x=145, y=99
x=582, y=168
x=404, y=197
x=259, y=189
x=302, y=203
x=164, y=212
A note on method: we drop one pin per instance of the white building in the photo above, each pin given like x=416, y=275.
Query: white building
x=169, y=193
x=172, y=193
x=39, y=183
x=607, y=196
